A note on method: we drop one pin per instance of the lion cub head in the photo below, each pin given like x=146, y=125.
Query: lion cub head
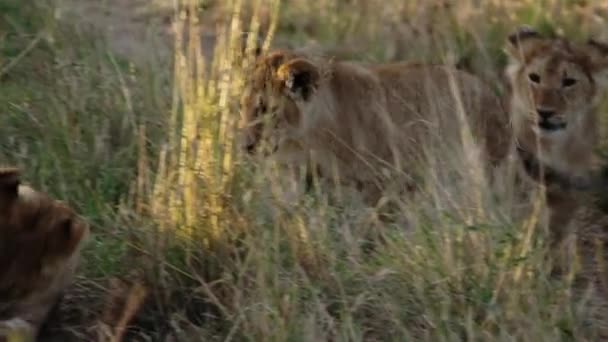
x=39, y=246
x=556, y=84
x=277, y=96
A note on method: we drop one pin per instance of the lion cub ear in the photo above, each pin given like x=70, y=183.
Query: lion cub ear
x=9, y=182
x=300, y=78
x=520, y=43
x=275, y=59
x=598, y=53
x=9, y=186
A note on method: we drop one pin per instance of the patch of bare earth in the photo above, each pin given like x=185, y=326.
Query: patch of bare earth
x=139, y=30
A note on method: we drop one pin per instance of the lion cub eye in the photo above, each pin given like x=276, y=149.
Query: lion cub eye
x=568, y=82
x=263, y=108
x=534, y=77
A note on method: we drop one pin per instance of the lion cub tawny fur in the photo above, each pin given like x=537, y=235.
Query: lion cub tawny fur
x=556, y=88
x=367, y=123
x=40, y=239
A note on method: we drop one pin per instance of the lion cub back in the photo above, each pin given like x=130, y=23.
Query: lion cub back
x=445, y=101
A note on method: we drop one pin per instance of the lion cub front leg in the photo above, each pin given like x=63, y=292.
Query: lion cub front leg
x=563, y=206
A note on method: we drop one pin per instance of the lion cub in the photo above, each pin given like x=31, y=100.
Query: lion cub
x=368, y=123
x=556, y=88
x=40, y=240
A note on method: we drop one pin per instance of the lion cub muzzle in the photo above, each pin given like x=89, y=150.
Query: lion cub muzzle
x=548, y=120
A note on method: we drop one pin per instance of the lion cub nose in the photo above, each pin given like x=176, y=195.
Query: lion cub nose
x=545, y=113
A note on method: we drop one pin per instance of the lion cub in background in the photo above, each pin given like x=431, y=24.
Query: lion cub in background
x=368, y=123
x=40, y=240
x=556, y=88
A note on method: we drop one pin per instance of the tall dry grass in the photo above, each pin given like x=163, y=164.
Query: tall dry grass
x=458, y=263
x=222, y=255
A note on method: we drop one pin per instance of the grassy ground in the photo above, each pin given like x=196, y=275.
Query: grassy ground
x=145, y=153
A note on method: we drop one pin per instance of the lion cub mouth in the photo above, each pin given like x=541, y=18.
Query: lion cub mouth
x=548, y=126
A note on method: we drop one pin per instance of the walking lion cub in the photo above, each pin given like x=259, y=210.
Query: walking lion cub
x=368, y=123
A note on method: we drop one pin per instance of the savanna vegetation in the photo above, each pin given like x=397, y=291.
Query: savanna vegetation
x=192, y=241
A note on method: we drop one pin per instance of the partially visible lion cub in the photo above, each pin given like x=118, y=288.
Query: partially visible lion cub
x=39, y=249
x=367, y=123
x=556, y=87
